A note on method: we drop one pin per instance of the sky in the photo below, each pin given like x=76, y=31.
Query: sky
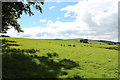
x=90, y=19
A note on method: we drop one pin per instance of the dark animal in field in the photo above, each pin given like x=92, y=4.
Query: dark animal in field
x=62, y=45
x=73, y=45
x=69, y=45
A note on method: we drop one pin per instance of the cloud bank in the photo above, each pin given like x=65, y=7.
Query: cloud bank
x=94, y=19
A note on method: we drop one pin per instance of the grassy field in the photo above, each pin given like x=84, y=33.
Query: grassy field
x=40, y=58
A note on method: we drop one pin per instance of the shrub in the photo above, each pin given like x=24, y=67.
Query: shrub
x=55, y=54
x=84, y=40
x=49, y=54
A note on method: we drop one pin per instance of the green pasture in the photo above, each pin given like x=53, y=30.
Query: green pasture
x=42, y=58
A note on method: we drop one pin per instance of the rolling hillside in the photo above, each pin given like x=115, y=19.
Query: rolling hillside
x=41, y=58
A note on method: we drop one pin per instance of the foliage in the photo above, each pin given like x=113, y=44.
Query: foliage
x=11, y=11
x=84, y=40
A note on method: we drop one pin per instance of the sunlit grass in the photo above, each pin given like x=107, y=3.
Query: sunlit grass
x=95, y=62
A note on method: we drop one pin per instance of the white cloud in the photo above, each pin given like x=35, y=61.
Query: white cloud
x=51, y=7
x=42, y=20
x=58, y=1
x=95, y=19
x=99, y=16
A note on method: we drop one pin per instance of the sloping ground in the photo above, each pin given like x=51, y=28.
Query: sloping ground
x=40, y=58
x=97, y=43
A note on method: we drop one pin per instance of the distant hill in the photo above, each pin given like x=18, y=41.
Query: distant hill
x=89, y=40
x=108, y=42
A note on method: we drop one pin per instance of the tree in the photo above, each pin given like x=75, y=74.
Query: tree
x=11, y=11
x=84, y=40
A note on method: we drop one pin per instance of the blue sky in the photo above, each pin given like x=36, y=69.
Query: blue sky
x=51, y=11
x=91, y=19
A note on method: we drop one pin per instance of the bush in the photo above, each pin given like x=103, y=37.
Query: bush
x=49, y=54
x=55, y=54
x=52, y=54
x=84, y=40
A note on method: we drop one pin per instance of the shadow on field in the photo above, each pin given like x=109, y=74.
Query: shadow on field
x=7, y=43
x=18, y=64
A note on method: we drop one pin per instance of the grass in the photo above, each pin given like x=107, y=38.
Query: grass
x=55, y=59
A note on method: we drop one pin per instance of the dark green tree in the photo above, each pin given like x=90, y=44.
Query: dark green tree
x=84, y=40
x=11, y=11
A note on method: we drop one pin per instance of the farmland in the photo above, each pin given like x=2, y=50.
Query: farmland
x=42, y=58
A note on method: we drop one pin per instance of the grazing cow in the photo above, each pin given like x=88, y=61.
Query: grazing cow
x=73, y=45
x=69, y=45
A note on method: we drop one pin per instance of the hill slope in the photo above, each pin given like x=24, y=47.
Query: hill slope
x=40, y=58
